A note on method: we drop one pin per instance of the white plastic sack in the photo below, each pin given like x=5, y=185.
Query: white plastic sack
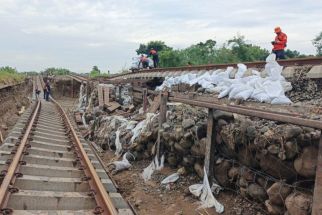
x=154, y=165
x=252, y=87
x=241, y=70
x=171, y=178
x=121, y=165
x=203, y=191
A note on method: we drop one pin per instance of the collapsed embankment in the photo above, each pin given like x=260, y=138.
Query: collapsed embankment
x=14, y=100
x=270, y=163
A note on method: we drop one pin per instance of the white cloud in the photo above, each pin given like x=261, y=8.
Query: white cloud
x=78, y=34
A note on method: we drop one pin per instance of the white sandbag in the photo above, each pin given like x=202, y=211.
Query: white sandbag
x=281, y=100
x=154, y=165
x=121, y=165
x=245, y=94
x=241, y=70
x=171, y=178
x=204, y=193
x=253, y=87
x=255, y=72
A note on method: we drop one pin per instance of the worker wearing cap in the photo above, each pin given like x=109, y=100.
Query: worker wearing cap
x=279, y=43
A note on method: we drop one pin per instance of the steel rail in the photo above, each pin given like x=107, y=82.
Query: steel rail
x=101, y=197
x=258, y=64
x=10, y=175
x=275, y=116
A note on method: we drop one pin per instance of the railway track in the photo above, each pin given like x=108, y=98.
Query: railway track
x=175, y=71
x=47, y=169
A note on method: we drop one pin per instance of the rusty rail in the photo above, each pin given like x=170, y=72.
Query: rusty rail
x=10, y=176
x=102, y=199
x=258, y=64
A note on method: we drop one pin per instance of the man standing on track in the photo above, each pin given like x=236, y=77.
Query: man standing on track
x=155, y=57
x=279, y=43
x=47, y=87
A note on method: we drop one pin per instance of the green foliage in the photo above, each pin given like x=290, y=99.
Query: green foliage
x=170, y=58
x=56, y=71
x=9, y=75
x=235, y=50
x=317, y=43
x=246, y=52
x=95, y=72
x=294, y=54
x=157, y=45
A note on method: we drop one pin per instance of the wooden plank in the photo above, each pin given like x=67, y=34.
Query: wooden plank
x=106, y=94
x=155, y=104
x=145, y=100
x=317, y=197
x=113, y=106
x=210, y=147
x=162, y=119
x=100, y=96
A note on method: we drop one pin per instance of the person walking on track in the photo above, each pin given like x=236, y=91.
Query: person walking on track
x=279, y=43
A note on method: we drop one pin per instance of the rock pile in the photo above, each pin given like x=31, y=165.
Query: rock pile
x=285, y=152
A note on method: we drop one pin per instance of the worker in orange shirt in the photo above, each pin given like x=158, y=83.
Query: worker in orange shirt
x=279, y=43
x=155, y=57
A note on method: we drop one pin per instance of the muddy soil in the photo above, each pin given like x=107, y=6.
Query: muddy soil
x=13, y=99
x=151, y=198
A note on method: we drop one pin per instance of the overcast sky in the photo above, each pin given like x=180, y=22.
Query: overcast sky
x=77, y=34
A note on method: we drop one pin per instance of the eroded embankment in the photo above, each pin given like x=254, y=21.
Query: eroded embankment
x=272, y=164
x=14, y=100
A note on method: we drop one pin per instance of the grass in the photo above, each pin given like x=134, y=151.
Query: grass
x=10, y=76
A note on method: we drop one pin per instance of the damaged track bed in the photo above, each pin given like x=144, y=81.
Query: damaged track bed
x=47, y=169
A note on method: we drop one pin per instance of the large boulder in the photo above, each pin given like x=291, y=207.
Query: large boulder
x=257, y=192
x=276, y=167
x=221, y=172
x=292, y=132
x=299, y=204
x=277, y=193
x=274, y=209
x=218, y=114
x=305, y=165
x=188, y=123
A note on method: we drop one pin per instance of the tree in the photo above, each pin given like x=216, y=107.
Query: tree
x=56, y=71
x=8, y=69
x=95, y=72
x=294, y=54
x=246, y=51
x=157, y=45
x=317, y=43
x=170, y=58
